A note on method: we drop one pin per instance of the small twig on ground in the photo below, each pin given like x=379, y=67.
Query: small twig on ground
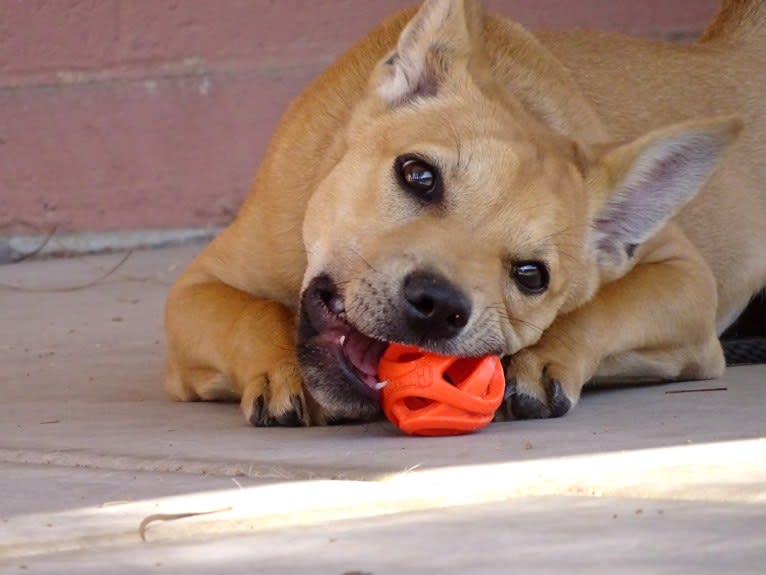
x=38, y=249
x=696, y=390
x=78, y=287
x=172, y=517
x=16, y=223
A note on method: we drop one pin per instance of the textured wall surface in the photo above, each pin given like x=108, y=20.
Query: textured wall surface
x=125, y=114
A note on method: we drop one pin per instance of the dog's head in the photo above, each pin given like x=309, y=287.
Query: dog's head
x=457, y=222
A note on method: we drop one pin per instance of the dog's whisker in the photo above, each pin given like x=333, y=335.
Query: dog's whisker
x=363, y=259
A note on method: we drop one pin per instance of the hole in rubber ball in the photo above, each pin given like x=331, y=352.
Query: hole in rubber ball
x=409, y=356
x=416, y=403
x=461, y=370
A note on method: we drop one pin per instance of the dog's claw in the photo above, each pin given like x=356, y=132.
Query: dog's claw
x=260, y=416
x=292, y=417
x=297, y=402
x=289, y=419
x=510, y=389
x=558, y=402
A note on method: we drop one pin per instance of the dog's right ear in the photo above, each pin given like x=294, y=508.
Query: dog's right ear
x=638, y=186
x=445, y=37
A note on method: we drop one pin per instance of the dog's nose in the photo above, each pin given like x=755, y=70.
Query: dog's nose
x=433, y=307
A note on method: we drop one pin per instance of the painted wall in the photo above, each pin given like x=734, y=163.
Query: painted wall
x=126, y=114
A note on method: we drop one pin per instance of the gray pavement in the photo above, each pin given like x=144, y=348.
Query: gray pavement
x=635, y=480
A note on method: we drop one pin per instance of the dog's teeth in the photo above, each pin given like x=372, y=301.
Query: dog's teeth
x=336, y=305
x=380, y=385
x=342, y=339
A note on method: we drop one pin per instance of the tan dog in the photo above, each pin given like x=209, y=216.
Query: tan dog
x=578, y=202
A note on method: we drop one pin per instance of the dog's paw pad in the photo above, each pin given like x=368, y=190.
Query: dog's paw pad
x=276, y=399
x=523, y=405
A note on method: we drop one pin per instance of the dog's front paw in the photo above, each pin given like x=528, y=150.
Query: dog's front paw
x=537, y=387
x=277, y=398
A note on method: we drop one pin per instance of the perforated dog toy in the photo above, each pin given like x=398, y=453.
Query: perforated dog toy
x=429, y=394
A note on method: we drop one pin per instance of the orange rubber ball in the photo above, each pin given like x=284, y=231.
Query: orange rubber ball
x=429, y=394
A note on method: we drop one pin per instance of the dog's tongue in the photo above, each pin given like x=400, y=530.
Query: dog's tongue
x=364, y=353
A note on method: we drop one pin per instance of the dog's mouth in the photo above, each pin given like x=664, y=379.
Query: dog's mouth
x=358, y=354
x=339, y=362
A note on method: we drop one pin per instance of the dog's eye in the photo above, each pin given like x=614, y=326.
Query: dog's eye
x=419, y=178
x=531, y=277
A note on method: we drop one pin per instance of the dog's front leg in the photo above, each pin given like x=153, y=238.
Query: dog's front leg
x=657, y=321
x=226, y=344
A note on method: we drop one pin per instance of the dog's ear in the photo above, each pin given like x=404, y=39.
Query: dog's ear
x=443, y=37
x=637, y=187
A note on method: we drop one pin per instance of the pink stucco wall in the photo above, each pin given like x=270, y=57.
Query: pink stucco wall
x=123, y=114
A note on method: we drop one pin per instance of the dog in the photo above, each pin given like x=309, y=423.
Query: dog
x=582, y=204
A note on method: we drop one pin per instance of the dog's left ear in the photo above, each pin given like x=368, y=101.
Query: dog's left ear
x=637, y=187
x=445, y=37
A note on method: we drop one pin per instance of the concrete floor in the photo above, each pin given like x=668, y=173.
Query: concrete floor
x=635, y=480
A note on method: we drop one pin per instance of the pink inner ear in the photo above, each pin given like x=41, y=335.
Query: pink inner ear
x=663, y=178
x=410, y=79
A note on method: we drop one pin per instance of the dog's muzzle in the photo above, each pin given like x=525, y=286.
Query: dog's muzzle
x=339, y=363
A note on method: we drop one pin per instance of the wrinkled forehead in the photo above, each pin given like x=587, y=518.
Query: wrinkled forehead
x=448, y=122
